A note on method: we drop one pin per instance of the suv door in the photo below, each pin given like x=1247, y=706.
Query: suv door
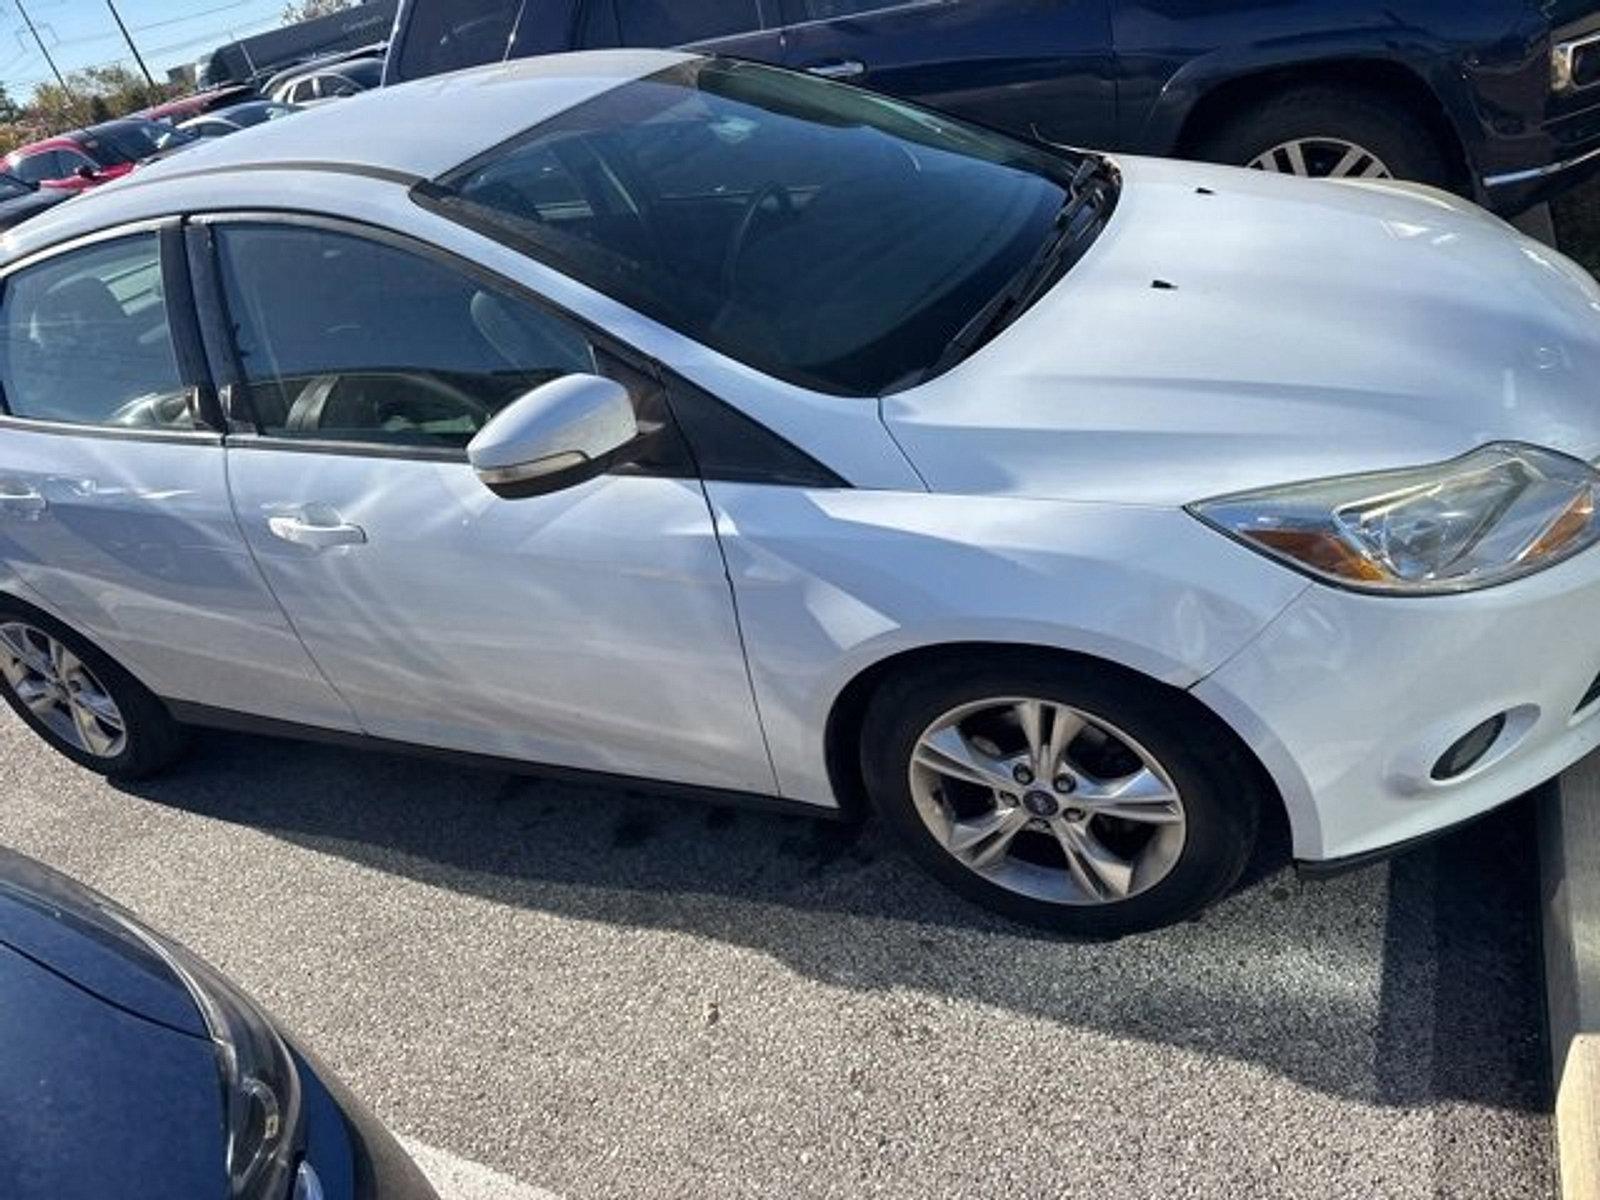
x=592, y=627
x=114, y=508
x=1043, y=67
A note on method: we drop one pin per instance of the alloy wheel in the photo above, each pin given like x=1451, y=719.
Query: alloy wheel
x=1047, y=800
x=54, y=684
x=1322, y=158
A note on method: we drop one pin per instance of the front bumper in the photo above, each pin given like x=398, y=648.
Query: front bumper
x=1349, y=700
x=354, y=1156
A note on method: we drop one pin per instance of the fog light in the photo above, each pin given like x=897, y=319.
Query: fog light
x=1469, y=749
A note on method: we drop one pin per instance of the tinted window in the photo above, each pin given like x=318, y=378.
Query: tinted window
x=36, y=168
x=86, y=340
x=824, y=235
x=674, y=22
x=130, y=141
x=11, y=189
x=345, y=338
x=446, y=35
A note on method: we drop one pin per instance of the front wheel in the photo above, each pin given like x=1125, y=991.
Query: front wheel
x=1073, y=797
x=80, y=701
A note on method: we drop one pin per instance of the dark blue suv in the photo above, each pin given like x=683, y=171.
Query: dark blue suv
x=1495, y=99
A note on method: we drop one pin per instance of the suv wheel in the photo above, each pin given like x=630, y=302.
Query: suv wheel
x=1078, y=798
x=1327, y=132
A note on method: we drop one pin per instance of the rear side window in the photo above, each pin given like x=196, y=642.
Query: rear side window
x=446, y=35
x=402, y=351
x=86, y=340
x=676, y=22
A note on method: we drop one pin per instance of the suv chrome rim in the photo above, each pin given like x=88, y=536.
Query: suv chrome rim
x=1322, y=158
x=54, y=685
x=1047, y=801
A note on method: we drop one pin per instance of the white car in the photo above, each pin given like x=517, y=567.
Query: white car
x=670, y=417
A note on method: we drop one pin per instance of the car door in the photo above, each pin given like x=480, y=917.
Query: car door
x=1028, y=66
x=591, y=628
x=114, y=508
x=741, y=28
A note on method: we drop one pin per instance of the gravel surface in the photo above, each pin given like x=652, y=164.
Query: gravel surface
x=599, y=993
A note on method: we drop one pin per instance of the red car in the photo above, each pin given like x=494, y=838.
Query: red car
x=89, y=157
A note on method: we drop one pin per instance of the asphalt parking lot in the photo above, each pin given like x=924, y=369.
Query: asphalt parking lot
x=598, y=993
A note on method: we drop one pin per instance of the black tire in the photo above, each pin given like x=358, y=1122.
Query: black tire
x=154, y=741
x=1220, y=791
x=1400, y=137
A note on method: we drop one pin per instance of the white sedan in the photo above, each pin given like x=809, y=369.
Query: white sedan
x=669, y=417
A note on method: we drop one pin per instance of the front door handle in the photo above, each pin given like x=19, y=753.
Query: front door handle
x=316, y=535
x=842, y=68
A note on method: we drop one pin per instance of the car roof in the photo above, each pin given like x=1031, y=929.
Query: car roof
x=59, y=141
x=426, y=127
x=412, y=131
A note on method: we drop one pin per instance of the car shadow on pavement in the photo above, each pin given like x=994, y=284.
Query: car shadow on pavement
x=1401, y=986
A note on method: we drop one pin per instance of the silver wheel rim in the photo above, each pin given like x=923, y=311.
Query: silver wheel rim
x=56, y=687
x=1322, y=158
x=1048, y=801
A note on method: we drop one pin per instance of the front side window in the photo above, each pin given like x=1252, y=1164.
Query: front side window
x=826, y=236
x=827, y=10
x=348, y=339
x=13, y=189
x=86, y=340
x=678, y=22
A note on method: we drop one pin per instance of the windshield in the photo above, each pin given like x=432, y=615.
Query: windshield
x=826, y=236
x=131, y=141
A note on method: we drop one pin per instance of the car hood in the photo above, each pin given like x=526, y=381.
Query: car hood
x=1235, y=329
x=96, y=1097
x=74, y=933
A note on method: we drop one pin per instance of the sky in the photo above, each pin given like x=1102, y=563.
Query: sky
x=81, y=33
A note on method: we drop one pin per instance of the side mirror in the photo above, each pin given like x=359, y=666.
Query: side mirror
x=560, y=434
x=85, y=173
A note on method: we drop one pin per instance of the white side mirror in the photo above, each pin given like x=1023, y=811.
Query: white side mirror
x=560, y=434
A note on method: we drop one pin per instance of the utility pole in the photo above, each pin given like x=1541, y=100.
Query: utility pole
x=33, y=29
x=128, y=37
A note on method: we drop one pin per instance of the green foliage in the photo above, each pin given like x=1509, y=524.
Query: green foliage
x=91, y=95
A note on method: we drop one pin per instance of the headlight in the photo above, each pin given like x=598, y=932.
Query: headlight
x=1494, y=515
x=260, y=1083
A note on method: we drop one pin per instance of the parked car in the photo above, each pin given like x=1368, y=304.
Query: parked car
x=20, y=200
x=1496, y=100
x=276, y=81
x=133, y=1069
x=322, y=84
x=696, y=420
x=87, y=158
x=241, y=116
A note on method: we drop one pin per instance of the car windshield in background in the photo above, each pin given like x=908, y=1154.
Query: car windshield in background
x=131, y=141
x=828, y=237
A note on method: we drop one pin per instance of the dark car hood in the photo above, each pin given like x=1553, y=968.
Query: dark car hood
x=69, y=929
x=98, y=1102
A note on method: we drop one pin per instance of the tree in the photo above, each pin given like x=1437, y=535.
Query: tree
x=93, y=94
x=310, y=10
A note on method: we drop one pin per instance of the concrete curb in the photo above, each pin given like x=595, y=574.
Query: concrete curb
x=1569, y=856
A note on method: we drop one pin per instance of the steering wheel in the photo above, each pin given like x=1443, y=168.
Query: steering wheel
x=747, y=222
x=307, y=412
x=159, y=410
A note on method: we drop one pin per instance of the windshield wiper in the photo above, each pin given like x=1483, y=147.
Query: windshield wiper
x=1091, y=184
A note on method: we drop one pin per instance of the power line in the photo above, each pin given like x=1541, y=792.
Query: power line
x=128, y=37
x=33, y=30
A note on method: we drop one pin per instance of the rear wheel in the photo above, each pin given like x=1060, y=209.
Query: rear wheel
x=1329, y=133
x=1073, y=797
x=80, y=701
